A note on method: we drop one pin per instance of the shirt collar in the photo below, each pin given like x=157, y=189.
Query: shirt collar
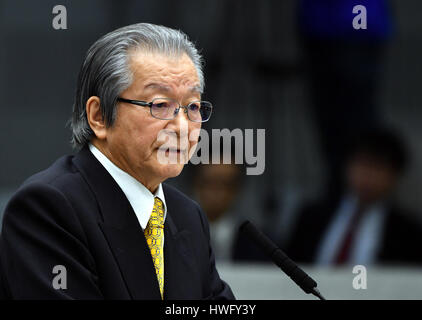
x=140, y=198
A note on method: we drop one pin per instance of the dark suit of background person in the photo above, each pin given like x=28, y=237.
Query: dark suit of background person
x=217, y=188
x=79, y=215
x=399, y=242
x=383, y=233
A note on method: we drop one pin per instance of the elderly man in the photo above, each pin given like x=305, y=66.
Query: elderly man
x=101, y=224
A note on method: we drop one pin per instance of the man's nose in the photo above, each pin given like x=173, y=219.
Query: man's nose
x=181, y=122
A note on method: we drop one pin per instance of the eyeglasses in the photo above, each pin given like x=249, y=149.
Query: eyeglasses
x=167, y=109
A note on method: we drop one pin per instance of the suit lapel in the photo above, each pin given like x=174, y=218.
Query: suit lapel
x=181, y=277
x=134, y=258
x=121, y=229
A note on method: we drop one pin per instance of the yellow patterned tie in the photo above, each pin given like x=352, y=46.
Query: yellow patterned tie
x=154, y=234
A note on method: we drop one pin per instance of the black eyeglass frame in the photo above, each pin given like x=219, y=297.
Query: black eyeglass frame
x=149, y=104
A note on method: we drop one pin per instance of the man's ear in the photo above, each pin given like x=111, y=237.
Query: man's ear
x=95, y=118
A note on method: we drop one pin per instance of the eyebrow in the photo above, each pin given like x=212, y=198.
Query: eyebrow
x=165, y=88
x=158, y=86
x=196, y=89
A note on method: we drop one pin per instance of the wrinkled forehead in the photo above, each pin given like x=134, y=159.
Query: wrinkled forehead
x=157, y=71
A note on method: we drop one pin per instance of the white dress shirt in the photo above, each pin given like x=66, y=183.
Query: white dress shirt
x=222, y=236
x=366, y=241
x=140, y=198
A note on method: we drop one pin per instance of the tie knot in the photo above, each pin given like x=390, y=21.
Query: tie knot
x=157, y=216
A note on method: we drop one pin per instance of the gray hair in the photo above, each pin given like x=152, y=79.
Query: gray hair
x=106, y=73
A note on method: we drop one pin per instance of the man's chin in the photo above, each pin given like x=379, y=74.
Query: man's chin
x=172, y=170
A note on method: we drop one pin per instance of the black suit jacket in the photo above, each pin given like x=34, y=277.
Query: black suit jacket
x=74, y=214
x=400, y=240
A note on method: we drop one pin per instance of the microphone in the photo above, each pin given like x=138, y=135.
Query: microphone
x=281, y=259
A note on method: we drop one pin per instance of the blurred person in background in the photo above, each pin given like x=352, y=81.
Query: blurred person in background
x=217, y=188
x=364, y=225
x=344, y=67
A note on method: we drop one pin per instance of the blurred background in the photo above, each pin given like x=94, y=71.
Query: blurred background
x=341, y=109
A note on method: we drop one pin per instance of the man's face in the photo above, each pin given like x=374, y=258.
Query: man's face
x=370, y=179
x=132, y=141
x=217, y=186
